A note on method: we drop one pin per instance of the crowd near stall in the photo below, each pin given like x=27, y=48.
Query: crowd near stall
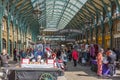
x=103, y=62
x=52, y=62
x=40, y=60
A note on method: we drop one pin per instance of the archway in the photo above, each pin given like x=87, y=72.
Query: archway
x=15, y=44
x=3, y=43
x=10, y=47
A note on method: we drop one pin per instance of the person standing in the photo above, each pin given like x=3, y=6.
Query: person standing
x=112, y=62
x=99, y=62
x=75, y=56
x=58, y=53
x=4, y=58
x=15, y=54
x=69, y=54
x=64, y=58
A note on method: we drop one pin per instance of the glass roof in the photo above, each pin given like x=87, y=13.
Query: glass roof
x=58, y=13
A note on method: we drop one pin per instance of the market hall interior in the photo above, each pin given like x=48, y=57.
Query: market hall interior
x=49, y=25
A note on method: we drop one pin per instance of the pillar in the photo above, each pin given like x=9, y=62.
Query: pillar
x=96, y=33
x=103, y=34
x=87, y=35
x=1, y=16
x=8, y=33
x=91, y=34
x=13, y=34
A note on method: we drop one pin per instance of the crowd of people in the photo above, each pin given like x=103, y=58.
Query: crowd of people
x=108, y=58
x=57, y=54
x=83, y=54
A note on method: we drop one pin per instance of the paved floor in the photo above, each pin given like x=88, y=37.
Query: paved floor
x=84, y=73
x=80, y=73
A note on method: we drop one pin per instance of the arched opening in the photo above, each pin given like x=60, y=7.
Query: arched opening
x=3, y=43
x=10, y=47
x=15, y=44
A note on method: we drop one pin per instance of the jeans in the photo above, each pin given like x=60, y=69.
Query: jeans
x=112, y=68
x=75, y=62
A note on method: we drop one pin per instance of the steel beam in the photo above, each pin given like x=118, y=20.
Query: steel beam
x=90, y=2
x=91, y=13
x=18, y=11
x=64, y=8
x=97, y=10
x=118, y=5
x=1, y=16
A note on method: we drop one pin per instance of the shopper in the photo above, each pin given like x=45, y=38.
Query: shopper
x=112, y=62
x=64, y=58
x=4, y=58
x=99, y=62
x=58, y=53
x=15, y=54
x=75, y=56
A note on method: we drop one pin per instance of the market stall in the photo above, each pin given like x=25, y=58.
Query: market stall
x=34, y=71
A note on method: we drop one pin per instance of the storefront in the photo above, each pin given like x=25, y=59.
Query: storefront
x=116, y=36
x=107, y=41
x=100, y=41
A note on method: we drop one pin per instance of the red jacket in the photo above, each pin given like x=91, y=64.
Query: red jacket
x=75, y=54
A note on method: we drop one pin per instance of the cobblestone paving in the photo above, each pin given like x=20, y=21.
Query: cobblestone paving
x=84, y=73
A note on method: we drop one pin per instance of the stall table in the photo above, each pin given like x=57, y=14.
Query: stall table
x=34, y=73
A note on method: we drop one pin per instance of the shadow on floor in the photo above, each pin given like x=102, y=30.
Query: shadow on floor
x=87, y=72
x=103, y=77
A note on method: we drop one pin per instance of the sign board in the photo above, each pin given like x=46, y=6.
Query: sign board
x=117, y=35
x=25, y=61
x=50, y=61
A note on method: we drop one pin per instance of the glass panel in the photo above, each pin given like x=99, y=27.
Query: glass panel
x=58, y=12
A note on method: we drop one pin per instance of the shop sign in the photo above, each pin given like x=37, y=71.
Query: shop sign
x=117, y=35
x=25, y=61
x=118, y=27
x=50, y=61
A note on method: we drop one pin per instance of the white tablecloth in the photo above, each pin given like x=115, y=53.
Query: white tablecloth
x=37, y=65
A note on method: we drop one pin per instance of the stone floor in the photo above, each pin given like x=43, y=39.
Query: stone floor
x=79, y=73
x=84, y=73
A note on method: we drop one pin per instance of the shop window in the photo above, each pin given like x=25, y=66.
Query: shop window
x=4, y=43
